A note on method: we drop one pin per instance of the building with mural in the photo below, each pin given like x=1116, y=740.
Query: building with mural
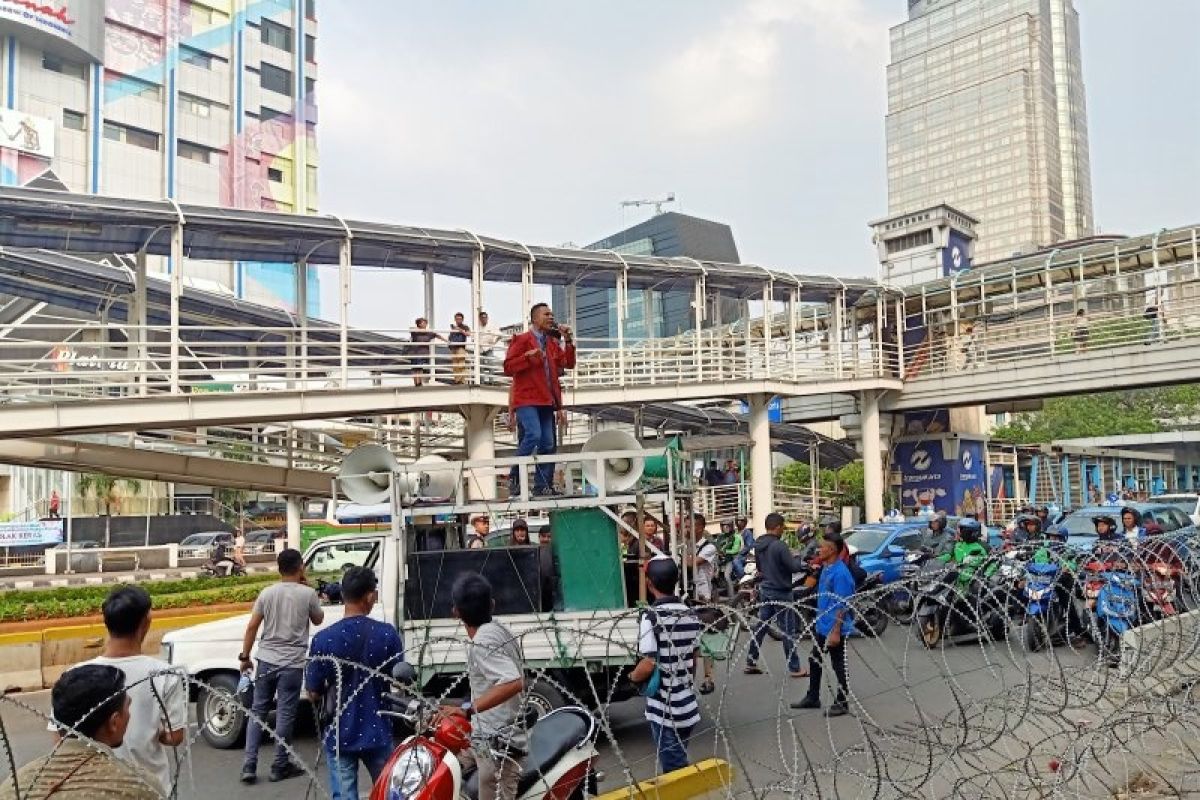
x=203, y=101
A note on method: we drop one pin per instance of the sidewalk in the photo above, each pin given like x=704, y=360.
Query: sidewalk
x=99, y=578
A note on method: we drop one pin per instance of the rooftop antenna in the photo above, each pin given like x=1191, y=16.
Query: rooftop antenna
x=658, y=204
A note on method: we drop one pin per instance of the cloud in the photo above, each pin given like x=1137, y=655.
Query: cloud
x=730, y=76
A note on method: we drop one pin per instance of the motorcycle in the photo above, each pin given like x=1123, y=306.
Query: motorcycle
x=222, y=566
x=1047, y=605
x=425, y=766
x=1110, y=594
x=1159, y=578
x=901, y=603
x=956, y=604
x=871, y=606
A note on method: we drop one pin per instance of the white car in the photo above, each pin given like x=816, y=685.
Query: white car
x=1187, y=503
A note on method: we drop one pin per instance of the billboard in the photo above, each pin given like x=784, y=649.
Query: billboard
x=946, y=474
x=956, y=256
x=26, y=133
x=79, y=23
x=25, y=534
x=774, y=409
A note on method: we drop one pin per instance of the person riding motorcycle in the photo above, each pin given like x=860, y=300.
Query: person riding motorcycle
x=969, y=551
x=1055, y=550
x=1131, y=524
x=1026, y=528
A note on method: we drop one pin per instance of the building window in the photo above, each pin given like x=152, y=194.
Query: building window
x=195, y=152
x=310, y=48
x=118, y=86
x=276, y=35
x=74, y=120
x=265, y=113
x=62, y=66
x=310, y=86
x=196, y=58
x=274, y=175
x=310, y=9
x=198, y=106
x=129, y=135
x=275, y=79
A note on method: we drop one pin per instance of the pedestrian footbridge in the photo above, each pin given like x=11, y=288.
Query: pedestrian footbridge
x=99, y=343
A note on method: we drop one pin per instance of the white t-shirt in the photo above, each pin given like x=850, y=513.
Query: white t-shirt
x=706, y=567
x=155, y=704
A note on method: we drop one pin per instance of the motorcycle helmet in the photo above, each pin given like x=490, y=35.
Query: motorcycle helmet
x=1058, y=532
x=833, y=526
x=1108, y=520
x=937, y=524
x=1028, y=525
x=970, y=531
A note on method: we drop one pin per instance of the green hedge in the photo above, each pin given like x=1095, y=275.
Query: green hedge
x=81, y=601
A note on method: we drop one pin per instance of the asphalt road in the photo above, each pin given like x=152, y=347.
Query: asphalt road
x=901, y=691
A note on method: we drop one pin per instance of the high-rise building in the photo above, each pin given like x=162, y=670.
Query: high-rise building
x=202, y=101
x=986, y=113
x=654, y=313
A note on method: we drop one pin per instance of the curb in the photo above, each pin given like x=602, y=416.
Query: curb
x=695, y=781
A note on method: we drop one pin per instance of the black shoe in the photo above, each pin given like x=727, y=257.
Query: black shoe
x=249, y=776
x=290, y=771
x=807, y=702
x=837, y=710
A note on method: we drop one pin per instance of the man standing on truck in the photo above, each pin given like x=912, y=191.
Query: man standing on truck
x=535, y=361
x=357, y=733
x=495, y=672
x=283, y=611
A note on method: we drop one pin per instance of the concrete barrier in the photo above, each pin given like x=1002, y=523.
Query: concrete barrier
x=32, y=660
x=1162, y=657
x=708, y=778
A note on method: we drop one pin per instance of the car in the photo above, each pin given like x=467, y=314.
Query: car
x=207, y=539
x=1187, y=503
x=1082, y=531
x=264, y=536
x=881, y=547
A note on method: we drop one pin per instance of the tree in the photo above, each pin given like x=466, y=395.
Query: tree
x=1106, y=414
x=103, y=487
x=232, y=502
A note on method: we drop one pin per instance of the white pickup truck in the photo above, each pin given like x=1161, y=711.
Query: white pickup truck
x=587, y=653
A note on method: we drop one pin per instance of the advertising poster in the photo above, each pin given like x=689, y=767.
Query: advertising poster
x=25, y=534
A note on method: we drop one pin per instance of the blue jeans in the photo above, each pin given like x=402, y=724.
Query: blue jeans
x=281, y=684
x=343, y=769
x=779, y=609
x=535, y=426
x=671, y=744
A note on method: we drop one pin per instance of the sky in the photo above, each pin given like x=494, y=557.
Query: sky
x=533, y=119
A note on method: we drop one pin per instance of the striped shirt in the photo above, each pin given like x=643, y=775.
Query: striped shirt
x=670, y=634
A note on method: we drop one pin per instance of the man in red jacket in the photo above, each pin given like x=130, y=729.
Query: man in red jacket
x=535, y=360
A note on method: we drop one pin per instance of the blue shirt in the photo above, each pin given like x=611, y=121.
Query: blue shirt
x=360, y=640
x=834, y=589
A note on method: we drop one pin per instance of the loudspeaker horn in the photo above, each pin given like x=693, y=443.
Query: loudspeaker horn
x=366, y=474
x=436, y=484
x=619, y=473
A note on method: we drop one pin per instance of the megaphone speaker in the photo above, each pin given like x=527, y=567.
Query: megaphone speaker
x=366, y=474
x=434, y=484
x=618, y=474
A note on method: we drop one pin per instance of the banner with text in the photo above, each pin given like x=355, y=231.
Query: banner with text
x=26, y=534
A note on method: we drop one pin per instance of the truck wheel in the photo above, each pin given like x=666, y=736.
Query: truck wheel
x=222, y=718
x=543, y=697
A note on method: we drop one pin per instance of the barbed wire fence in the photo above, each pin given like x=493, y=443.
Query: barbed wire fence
x=980, y=710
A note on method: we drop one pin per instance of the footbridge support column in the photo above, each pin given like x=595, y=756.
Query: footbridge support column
x=760, y=460
x=480, y=435
x=872, y=454
x=293, y=522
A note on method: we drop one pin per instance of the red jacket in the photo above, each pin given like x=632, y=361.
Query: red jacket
x=530, y=387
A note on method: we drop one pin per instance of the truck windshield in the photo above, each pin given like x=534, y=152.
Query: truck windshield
x=329, y=560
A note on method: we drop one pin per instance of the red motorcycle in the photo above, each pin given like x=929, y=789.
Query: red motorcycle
x=1162, y=574
x=425, y=766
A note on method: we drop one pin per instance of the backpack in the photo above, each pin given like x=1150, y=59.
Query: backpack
x=857, y=572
